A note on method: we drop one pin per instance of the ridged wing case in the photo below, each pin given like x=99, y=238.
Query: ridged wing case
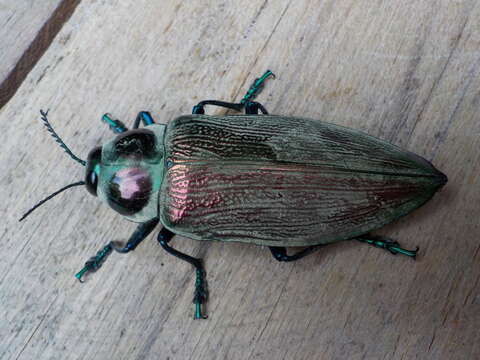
x=283, y=181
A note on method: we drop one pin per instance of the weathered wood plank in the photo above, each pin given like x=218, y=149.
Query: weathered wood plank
x=407, y=72
x=27, y=29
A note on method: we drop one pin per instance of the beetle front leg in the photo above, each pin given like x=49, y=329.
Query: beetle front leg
x=145, y=117
x=280, y=253
x=201, y=292
x=140, y=234
x=115, y=125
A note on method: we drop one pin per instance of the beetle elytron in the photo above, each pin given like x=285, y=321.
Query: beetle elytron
x=267, y=180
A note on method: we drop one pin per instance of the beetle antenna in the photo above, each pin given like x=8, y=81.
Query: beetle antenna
x=58, y=139
x=51, y=196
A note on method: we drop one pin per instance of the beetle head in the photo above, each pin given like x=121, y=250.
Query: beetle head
x=126, y=173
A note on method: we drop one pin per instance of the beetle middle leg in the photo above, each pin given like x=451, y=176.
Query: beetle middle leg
x=280, y=253
x=201, y=292
x=140, y=234
x=251, y=107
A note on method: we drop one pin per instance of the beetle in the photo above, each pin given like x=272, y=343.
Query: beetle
x=261, y=179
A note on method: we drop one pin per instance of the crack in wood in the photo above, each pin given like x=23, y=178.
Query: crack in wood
x=249, y=74
x=280, y=295
x=433, y=339
x=35, y=51
x=36, y=328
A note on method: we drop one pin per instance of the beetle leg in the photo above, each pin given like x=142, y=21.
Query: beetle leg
x=115, y=125
x=387, y=244
x=280, y=253
x=250, y=106
x=145, y=117
x=256, y=87
x=201, y=292
x=253, y=108
x=140, y=234
x=200, y=110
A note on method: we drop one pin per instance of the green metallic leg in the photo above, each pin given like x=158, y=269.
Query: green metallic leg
x=251, y=107
x=140, y=234
x=115, y=125
x=387, y=244
x=280, y=253
x=256, y=87
x=201, y=292
x=145, y=117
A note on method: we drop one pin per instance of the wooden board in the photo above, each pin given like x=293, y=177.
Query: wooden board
x=407, y=72
x=27, y=28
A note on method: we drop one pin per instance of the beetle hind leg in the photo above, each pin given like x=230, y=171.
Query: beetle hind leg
x=280, y=253
x=389, y=245
x=201, y=292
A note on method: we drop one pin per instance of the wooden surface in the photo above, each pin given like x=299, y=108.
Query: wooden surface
x=407, y=72
x=27, y=28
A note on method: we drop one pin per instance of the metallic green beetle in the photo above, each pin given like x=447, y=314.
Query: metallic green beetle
x=262, y=179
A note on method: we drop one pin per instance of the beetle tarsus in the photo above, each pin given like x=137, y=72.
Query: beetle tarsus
x=392, y=246
x=201, y=294
x=256, y=87
x=95, y=262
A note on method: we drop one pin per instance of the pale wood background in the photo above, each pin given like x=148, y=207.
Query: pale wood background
x=405, y=71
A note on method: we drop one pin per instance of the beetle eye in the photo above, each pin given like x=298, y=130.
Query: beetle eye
x=93, y=169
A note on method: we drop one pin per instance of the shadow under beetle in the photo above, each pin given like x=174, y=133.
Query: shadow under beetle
x=263, y=179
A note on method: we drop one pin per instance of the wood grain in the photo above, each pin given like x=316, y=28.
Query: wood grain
x=27, y=30
x=407, y=72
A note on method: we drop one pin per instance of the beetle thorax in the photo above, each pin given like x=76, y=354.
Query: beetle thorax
x=131, y=172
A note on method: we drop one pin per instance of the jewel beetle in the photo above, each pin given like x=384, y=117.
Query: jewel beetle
x=261, y=179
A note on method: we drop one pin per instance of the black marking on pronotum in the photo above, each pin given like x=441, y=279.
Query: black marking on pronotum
x=58, y=139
